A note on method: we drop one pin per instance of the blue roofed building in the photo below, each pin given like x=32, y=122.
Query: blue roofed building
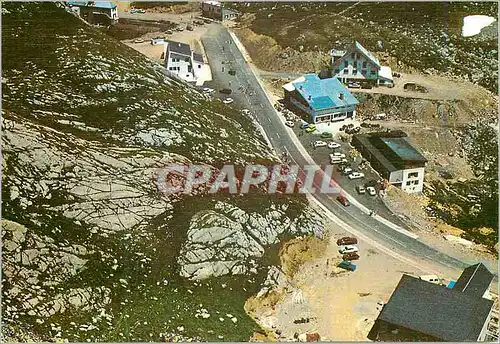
x=358, y=64
x=322, y=100
x=95, y=12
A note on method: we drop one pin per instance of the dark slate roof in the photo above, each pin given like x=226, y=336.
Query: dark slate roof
x=475, y=280
x=198, y=57
x=179, y=48
x=375, y=152
x=436, y=310
x=403, y=149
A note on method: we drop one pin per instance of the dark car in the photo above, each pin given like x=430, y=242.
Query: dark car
x=347, y=241
x=226, y=91
x=345, y=264
x=343, y=200
x=366, y=86
x=304, y=125
x=350, y=256
x=232, y=72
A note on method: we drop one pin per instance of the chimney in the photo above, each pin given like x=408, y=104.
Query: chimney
x=341, y=96
x=309, y=97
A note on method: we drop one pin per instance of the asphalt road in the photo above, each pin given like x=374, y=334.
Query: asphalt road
x=218, y=49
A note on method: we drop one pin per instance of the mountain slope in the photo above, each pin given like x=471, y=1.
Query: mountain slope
x=91, y=249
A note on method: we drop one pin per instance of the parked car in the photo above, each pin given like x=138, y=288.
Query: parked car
x=290, y=124
x=337, y=154
x=353, y=85
x=232, y=72
x=350, y=256
x=208, y=90
x=179, y=28
x=366, y=86
x=189, y=28
x=333, y=145
x=304, y=125
x=169, y=32
x=345, y=264
x=347, y=171
x=245, y=111
x=311, y=128
x=431, y=278
x=361, y=189
x=347, y=241
x=139, y=40
x=356, y=175
x=228, y=100
x=348, y=249
x=317, y=144
x=371, y=191
x=326, y=135
x=343, y=200
x=226, y=91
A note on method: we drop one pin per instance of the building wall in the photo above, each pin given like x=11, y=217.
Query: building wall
x=413, y=180
x=323, y=116
x=386, y=332
x=181, y=66
x=212, y=11
x=484, y=330
x=358, y=67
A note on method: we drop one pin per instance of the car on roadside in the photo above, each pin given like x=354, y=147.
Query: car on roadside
x=371, y=191
x=228, y=101
x=350, y=256
x=347, y=241
x=208, y=90
x=226, y=91
x=333, y=145
x=245, y=111
x=337, y=154
x=290, y=124
x=361, y=189
x=317, y=144
x=311, y=128
x=366, y=86
x=189, y=28
x=326, y=135
x=356, y=175
x=348, y=249
x=304, y=125
x=347, y=171
x=347, y=265
x=169, y=32
x=343, y=200
x=353, y=85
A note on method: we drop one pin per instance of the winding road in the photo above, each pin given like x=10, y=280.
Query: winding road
x=221, y=49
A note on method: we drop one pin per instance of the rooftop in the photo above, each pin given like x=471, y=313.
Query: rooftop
x=323, y=93
x=375, y=152
x=198, y=57
x=436, y=310
x=475, y=280
x=403, y=149
x=98, y=4
x=179, y=48
x=212, y=2
x=365, y=52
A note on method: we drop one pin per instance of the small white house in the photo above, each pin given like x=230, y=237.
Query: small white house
x=180, y=60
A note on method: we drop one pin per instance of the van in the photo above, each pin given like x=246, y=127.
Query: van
x=380, y=116
x=431, y=278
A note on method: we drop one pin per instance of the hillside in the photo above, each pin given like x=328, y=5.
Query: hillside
x=91, y=250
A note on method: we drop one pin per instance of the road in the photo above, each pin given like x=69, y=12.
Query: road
x=219, y=47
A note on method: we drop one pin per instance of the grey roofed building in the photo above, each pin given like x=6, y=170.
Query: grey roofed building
x=422, y=311
x=475, y=280
x=179, y=48
x=198, y=57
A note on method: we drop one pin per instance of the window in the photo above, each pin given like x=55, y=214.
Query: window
x=408, y=183
x=363, y=71
x=199, y=66
x=353, y=55
x=413, y=175
x=186, y=59
x=189, y=68
x=346, y=64
x=373, y=72
x=415, y=182
x=346, y=71
x=337, y=71
x=364, y=64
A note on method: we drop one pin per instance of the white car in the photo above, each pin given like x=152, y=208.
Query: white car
x=208, y=90
x=347, y=171
x=228, y=100
x=245, y=111
x=356, y=175
x=348, y=249
x=339, y=155
x=317, y=144
x=290, y=124
x=371, y=190
x=333, y=145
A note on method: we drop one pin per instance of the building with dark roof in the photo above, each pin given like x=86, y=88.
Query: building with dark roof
x=181, y=61
x=394, y=158
x=217, y=10
x=322, y=100
x=422, y=311
x=358, y=64
x=475, y=280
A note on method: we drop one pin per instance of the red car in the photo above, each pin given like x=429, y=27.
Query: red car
x=347, y=241
x=343, y=200
x=350, y=256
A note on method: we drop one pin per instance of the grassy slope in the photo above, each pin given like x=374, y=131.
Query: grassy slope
x=56, y=74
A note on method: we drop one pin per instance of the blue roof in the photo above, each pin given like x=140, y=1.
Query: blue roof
x=324, y=92
x=365, y=52
x=98, y=4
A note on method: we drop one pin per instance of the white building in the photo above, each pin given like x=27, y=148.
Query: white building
x=394, y=158
x=180, y=60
